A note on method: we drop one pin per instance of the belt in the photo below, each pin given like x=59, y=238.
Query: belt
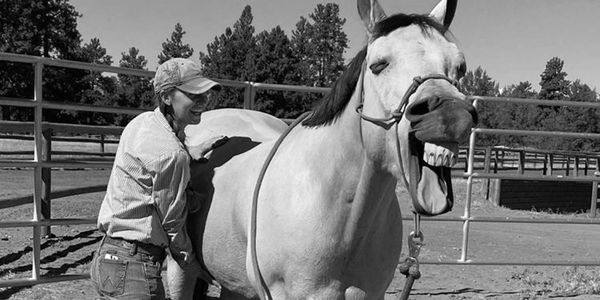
x=135, y=247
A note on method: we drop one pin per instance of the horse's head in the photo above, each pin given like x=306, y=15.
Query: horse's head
x=410, y=72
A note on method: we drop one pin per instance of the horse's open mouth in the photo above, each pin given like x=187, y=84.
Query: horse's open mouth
x=430, y=183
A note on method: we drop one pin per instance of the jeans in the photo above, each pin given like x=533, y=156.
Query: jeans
x=119, y=272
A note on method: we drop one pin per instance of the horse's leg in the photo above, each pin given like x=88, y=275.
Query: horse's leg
x=179, y=282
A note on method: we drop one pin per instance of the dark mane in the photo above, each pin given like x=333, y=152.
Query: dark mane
x=332, y=105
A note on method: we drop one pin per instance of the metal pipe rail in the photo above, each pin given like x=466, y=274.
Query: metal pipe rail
x=37, y=127
x=250, y=89
x=467, y=218
x=512, y=221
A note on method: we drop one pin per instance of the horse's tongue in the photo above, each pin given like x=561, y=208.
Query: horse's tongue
x=427, y=188
x=432, y=187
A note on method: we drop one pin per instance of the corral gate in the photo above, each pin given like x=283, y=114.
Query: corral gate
x=39, y=164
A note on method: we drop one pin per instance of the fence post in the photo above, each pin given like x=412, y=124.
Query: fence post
x=496, y=161
x=46, y=181
x=102, y=143
x=551, y=164
x=568, y=169
x=466, y=160
x=545, y=170
x=486, y=169
x=249, y=95
x=594, y=200
x=521, y=162
x=576, y=166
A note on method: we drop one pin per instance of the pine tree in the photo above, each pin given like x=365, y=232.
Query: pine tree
x=579, y=119
x=300, y=44
x=92, y=86
x=232, y=56
x=328, y=43
x=478, y=83
x=319, y=46
x=518, y=116
x=174, y=47
x=274, y=65
x=134, y=91
x=554, y=85
x=41, y=28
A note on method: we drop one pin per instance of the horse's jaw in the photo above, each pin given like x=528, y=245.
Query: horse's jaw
x=429, y=176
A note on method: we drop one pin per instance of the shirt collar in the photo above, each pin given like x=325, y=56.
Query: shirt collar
x=160, y=118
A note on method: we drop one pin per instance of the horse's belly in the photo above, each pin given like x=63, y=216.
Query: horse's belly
x=225, y=235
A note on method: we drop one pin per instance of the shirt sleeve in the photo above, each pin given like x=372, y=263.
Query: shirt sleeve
x=173, y=176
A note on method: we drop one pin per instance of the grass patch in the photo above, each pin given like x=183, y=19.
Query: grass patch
x=574, y=281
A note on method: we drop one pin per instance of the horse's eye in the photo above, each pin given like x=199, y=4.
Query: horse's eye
x=379, y=66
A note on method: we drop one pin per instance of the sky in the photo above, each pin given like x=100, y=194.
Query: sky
x=511, y=39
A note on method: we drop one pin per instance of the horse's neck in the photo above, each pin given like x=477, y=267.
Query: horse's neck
x=352, y=177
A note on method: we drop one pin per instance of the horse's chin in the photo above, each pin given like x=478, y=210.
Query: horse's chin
x=430, y=183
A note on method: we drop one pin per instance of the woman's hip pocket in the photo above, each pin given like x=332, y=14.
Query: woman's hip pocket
x=110, y=274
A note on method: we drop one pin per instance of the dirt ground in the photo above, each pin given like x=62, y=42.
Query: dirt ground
x=70, y=252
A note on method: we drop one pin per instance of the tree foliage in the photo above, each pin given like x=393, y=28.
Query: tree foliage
x=174, y=47
x=554, y=86
x=40, y=28
x=134, y=91
x=326, y=45
x=312, y=55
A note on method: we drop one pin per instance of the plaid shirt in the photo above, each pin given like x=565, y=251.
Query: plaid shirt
x=145, y=199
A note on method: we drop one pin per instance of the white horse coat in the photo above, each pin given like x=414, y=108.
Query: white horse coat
x=329, y=224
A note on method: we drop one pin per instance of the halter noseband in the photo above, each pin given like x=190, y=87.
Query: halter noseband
x=396, y=115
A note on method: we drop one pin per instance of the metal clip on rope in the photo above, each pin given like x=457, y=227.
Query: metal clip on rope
x=410, y=266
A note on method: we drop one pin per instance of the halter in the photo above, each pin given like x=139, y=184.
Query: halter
x=396, y=115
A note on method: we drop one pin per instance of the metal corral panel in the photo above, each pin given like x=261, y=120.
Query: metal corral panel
x=563, y=196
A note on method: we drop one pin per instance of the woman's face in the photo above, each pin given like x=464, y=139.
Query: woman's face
x=187, y=107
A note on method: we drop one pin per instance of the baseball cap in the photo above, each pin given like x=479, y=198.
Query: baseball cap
x=184, y=74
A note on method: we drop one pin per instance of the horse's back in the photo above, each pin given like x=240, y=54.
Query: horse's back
x=257, y=126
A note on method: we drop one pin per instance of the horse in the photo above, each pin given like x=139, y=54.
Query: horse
x=328, y=222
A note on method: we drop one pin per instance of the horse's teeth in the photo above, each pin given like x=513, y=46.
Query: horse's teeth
x=437, y=155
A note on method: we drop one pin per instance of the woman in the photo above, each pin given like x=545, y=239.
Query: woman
x=143, y=214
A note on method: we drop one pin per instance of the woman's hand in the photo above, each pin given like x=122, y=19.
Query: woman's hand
x=198, y=152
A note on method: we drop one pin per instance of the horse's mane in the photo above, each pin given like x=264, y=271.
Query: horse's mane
x=332, y=105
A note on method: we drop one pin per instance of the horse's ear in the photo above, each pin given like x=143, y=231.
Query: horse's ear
x=370, y=12
x=444, y=12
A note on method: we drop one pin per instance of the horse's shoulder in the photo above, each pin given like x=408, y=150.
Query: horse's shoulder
x=246, y=130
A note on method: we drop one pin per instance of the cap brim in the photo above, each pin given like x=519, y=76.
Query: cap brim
x=198, y=85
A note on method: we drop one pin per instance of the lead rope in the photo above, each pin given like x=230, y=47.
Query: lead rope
x=410, y=266
x=262, y=288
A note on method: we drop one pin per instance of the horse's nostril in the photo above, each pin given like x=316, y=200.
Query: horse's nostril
x=436, y=119
x=423, y=106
